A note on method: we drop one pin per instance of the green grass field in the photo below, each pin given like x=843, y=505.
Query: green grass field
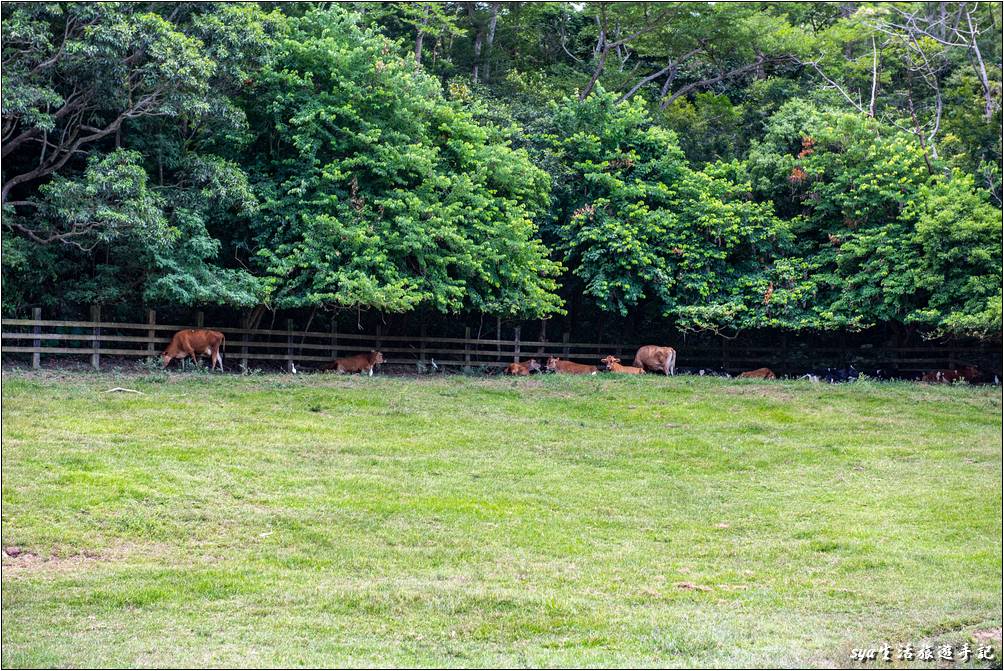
x=458, y=521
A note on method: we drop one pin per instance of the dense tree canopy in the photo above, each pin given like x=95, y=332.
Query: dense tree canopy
x=723, y=166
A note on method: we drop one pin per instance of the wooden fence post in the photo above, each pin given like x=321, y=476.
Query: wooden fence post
x=200, y=319
x=543, y=336
x=379, y=332
x=421, y=347
x=467, y=348
x=564, y=339
x=245, y=325
x=515, y=350
x=36, y=356
x=96, y=344
x=151, y=333
x=290, y=368
x=334, y=338
x=498, y=338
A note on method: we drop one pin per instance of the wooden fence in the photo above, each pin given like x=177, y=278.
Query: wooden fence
x=310, y=349
x=305, y=349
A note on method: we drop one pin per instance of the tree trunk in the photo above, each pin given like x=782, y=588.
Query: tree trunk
x=980, y=66
x=596, y=73
x=871, y=106
x=490, y=39
x=420, y=37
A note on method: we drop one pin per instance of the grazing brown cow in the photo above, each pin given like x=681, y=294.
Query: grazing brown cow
x=356, y=364
x=759, y=374
x=517, y=368
x=657, y=359
x=613, y=364
x=556, y=365
x=194, y=343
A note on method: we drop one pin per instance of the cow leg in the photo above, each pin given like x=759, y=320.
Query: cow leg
x=672, y=363
x=214, y=357
x=371, y=371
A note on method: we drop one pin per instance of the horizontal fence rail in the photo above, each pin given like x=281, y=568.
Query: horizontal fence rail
x=312, y=349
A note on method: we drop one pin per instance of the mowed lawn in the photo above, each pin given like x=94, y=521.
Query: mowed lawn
x=458, y=521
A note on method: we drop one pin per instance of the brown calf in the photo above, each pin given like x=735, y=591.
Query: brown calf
x=518, y=368
x=194, y=343
x=657, y=359
x=356, y=364
x=556, y=365
x=613, y=364
x=759, y=374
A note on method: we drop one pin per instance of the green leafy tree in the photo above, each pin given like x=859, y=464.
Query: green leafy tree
x=378, y=193
x=885, y=238
x=636, y=222
x=148, y=98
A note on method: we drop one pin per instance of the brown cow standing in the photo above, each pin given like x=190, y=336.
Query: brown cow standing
x=356, y=364
x=517, y=368
x=759, y=374
x=194, y=343
x=657, y=359
x=613, y=365
x=556, y=365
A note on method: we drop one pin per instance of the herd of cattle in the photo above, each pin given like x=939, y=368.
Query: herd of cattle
x=195, y=343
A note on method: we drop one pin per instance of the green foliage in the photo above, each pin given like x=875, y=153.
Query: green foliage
x=381, y=194
x=884, y=238
x=637, y=222
x=959, y=265
x=109, y=202
x=732, y=165
x=146, y=96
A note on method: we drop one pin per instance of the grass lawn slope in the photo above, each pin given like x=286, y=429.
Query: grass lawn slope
x=460, y=521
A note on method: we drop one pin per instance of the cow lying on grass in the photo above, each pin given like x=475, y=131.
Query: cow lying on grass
x=355, y=364
x=556, y=365
x=194, y=343
x=517, y=368
x=613, y=364
x=949, y=375
x=759, y=374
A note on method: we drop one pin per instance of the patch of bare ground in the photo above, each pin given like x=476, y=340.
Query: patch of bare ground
x=991, y=636
x=19, y=561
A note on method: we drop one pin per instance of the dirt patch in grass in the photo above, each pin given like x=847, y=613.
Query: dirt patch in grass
x=21, y=561
x=988, y=636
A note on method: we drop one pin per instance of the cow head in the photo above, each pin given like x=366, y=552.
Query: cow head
x=609, y=361
x=376, y=357
x=170, y=353
x=552, y=363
